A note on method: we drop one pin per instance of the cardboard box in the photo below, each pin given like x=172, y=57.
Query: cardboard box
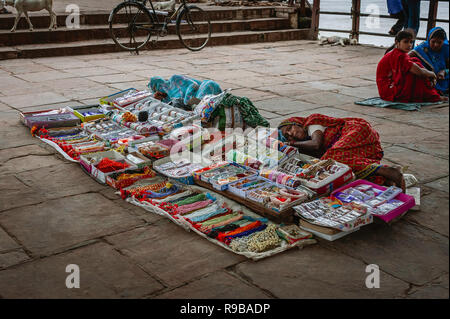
x=65, y=119
x=89, y=162
x=78, y=111
x=326, y=233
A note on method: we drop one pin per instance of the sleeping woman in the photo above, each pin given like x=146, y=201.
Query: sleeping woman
x=351, y=141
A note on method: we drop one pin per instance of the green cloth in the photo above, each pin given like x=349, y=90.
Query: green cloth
x=248, y=111
x=220, y=112
x=378, y=102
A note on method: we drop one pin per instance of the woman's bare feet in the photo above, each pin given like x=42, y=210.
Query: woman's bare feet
x=393, y=176
x=444, y=98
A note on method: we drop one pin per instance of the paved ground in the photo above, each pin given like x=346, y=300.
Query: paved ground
x=52, y=214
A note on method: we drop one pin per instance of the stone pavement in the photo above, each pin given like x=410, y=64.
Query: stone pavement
x=52, y=214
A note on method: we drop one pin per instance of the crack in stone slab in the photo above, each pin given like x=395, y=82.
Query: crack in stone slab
x=249, y=280
x=327, y=245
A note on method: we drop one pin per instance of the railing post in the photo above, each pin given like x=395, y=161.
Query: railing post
x=315, y=20
x=356, y=11
x=432, y=14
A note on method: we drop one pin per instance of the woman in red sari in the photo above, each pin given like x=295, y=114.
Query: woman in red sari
x=401, y=78
x=351, y=141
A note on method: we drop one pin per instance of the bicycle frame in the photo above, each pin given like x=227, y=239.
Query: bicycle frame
x=168, y=18
x=149, y=19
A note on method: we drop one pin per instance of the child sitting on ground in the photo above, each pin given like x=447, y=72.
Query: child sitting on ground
x=401, y=78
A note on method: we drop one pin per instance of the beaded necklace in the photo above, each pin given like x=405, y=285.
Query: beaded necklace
x=222, y=236
x=216, y=231
x=147, y=173
x=139, y=189
x=204, y=211
x=206, y=216
x=186, y=209
x=191, y=199
x=264, y=240
x=226, y=212
x=219, y=219
x=177, y=199
x=245, y=233
x=179, y=195
x=225, y=222
x=163, y=192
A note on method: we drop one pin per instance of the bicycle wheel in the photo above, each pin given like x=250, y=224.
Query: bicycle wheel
x=131, y=25
x=193, y=28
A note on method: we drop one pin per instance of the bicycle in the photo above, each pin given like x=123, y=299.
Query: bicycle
x=132, y=24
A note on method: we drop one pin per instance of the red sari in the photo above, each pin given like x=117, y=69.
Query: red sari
x=351, y=141
x=396, y=84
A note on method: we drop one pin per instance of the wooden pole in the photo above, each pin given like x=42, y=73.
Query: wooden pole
x=303, y=8
x=356, y=11
x=432, y=14
x=315, y=20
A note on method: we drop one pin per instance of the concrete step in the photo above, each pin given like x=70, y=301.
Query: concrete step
x=168, y=42
x=92, y=32
x=41, y=20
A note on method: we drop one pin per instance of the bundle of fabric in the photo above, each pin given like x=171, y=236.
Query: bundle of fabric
x=180, y=89
x=236, y=112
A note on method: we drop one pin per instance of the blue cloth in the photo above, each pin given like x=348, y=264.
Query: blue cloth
x=394, y=6
x=434, y=61
x=180, y=86
x=281, y=136
x=378, y=102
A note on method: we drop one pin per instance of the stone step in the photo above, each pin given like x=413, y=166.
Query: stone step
x=41, y=20
x=92, y=32
x=168, y=42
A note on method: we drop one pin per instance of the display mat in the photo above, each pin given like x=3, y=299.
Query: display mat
x=236, y=207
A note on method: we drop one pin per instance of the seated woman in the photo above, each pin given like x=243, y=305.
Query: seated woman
x=433, y=54
x=182, y=87
x=401, y=78
x=351, y=141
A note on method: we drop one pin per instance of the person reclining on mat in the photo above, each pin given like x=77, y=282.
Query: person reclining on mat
x=182, y=87
x=351, y=141
x=401, y=78
x=433, y=53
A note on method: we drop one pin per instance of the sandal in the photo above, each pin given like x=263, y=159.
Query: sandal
x=392, y=32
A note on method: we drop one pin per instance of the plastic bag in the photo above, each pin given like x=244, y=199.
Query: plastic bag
x=208, y=105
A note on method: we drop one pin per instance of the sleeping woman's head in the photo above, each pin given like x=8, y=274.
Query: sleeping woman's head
x=293, y=132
